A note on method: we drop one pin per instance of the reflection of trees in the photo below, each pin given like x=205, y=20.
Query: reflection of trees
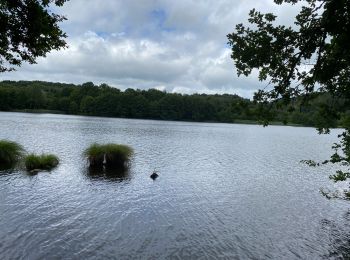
x=4, y=167
x=119, y=175
x=6, y=170
x=339, y=236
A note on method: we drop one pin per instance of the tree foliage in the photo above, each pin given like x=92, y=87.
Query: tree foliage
x=311, y=56
x=28, y=30
x=103, y=100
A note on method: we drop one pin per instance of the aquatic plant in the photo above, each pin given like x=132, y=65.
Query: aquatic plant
x=10, y=153
x=41, y=162
x=109, y=155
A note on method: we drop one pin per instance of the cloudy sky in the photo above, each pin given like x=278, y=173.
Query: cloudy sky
x=177, y=46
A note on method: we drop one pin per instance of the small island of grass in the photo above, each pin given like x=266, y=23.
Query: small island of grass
x=108, y=155
x=10, y=153
x=41, y=162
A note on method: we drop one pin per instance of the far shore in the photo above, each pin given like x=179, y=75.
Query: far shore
x=237, y=121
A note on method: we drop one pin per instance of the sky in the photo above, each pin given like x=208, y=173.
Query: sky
x=177, y=46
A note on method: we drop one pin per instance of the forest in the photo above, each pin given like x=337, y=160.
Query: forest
x=103, y=100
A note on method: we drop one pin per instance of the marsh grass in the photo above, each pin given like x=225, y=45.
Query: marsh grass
x=41, y=162
x=108, y=155
x=10, y=153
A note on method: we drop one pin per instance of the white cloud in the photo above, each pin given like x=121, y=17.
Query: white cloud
x=178, y=46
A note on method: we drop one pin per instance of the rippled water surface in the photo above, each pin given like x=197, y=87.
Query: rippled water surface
x=224, y=191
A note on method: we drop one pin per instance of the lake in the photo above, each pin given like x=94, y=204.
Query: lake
x=225, y=191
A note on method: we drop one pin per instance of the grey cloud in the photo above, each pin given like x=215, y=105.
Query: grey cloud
x=179, y=46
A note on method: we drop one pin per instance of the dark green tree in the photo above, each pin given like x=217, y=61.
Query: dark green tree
x=312, y=56
x=28, y=30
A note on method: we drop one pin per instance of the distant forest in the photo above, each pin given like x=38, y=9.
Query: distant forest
x=103, y=100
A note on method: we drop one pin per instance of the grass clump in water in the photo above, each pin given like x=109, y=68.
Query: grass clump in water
x=108, y=155
x=41, y=162
x=10, y=153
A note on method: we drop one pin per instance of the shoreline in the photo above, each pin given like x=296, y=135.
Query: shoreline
x=238, y=121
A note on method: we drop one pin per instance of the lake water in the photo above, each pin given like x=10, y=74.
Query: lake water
x=225, y=191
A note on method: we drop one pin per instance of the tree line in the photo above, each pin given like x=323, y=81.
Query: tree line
x=103, y=100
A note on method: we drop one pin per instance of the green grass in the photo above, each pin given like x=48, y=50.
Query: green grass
x=10, y=153
x=41, y=162
x=110, y=155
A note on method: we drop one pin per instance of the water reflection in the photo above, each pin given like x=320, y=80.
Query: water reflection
x=118, y=175
x=6, y=167
x=5, y=171
x=225, y=191
x=339, y=237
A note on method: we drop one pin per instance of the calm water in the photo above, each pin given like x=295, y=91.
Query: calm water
x=224, y=191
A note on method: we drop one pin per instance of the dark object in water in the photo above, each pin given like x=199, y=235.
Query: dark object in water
x=154, y=175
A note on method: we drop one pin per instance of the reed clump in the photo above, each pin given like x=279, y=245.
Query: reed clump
x=10, y=153
x=108, y=155
x=41, y=162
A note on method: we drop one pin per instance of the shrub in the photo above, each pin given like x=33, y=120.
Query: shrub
x=10, y=153
x=41, y=162
x=109, y=155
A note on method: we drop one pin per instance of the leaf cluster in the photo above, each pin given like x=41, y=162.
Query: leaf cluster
x=312, y=56
x=28, y=30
